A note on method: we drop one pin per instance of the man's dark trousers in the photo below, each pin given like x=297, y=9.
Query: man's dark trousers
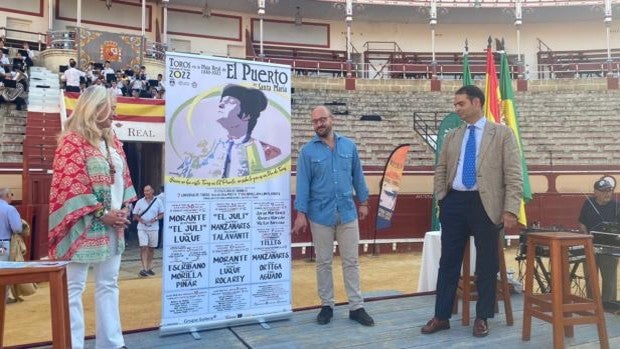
x=461, y=215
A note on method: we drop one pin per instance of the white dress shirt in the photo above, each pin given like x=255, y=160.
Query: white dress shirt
x=72, y=77
x=457, y=184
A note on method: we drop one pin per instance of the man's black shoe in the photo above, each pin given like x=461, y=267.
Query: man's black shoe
x=360, y=315
x=325, y=316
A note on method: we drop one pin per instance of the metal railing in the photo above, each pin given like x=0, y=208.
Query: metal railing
x=155, y=50
x=67, y=40
x=426, y=124
x=16, y=36
x=542, y=46
x=383, y=46
x=309, y=67
x=578, y=70
x=61, y=39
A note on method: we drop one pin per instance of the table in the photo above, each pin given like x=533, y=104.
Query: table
x=56, y=275
x=431, y=253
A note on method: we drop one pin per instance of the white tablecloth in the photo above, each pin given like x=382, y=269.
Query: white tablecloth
x=431, y=252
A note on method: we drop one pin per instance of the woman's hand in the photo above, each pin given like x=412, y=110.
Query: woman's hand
x=116, y=219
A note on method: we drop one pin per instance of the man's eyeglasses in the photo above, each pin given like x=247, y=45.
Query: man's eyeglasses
x=319, y=121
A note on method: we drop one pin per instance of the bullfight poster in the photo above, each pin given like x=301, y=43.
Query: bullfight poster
x=227, y=245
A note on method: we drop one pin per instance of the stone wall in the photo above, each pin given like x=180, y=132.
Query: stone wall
x=563, y=122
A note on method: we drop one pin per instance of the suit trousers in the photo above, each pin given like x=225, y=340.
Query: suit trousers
x=348, y=236
x=461, y=215
x=108, y=322
x=608, y=267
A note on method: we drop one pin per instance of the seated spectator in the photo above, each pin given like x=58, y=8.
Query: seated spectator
x=107, y=68
x=28, y=56
x=116, y=88
x=138, y=84
x=142, y=74
x=125, y=87
x=4, y=58
x=154, y=92
x=161, y=93
x=160, y=81
x=72, y=77
x=135, y=93
x=18, y=93
x=91, y=74
x=19, y=62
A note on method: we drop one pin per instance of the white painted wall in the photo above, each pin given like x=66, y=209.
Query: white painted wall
x=96, y=10
x=37, y=24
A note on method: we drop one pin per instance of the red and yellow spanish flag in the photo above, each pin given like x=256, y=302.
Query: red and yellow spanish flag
x=491, y=90
x=128, y=108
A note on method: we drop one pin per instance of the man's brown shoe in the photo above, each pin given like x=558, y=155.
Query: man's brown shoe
x=481, y=329
x=434, y=325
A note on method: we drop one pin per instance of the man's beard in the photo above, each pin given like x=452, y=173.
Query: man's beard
x=325, y=133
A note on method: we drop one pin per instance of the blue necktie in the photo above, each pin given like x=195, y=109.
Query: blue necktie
x=227, y=163
x=469, y=162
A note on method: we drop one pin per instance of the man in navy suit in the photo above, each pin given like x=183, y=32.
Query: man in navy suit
x=478, y=186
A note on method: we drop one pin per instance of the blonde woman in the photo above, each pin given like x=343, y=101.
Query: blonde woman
x=90, y=185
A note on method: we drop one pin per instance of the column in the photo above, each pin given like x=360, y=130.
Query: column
x=521, y=80
x=79, y=14
x=165, y=26
x=143, y=17
x=349, y=19
x=612, y=79
x=435, y=82
x=50, y=15
x=261, y=14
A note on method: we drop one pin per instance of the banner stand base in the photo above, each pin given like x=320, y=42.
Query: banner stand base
x=194, y=332
x=169, y=330
x=264, y=324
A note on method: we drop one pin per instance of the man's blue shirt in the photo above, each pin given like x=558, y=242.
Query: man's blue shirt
x=10, y=222
x=326, y=179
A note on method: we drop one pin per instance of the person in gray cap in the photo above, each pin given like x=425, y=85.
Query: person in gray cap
x=597, y=211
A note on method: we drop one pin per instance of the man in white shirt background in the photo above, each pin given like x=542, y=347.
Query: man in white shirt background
x=147, y=212
x=72, y=77
x=107, y=69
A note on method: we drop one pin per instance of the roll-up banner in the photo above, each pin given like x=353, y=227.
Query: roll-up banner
x=227, y=245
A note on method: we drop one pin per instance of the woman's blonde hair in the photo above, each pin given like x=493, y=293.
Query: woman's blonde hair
x=83, y=119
